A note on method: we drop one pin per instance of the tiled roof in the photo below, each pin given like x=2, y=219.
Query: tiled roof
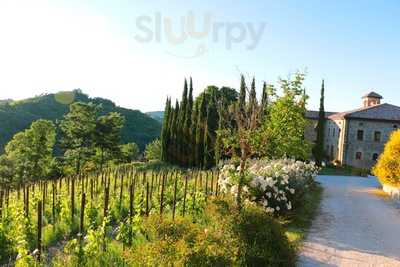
x=314, y=115
x=378, y=112
x=373, y=94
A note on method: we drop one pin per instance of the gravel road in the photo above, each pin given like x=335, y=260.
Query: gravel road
x=355, y=227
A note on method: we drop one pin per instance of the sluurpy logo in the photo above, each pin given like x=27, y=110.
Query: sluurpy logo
x=177, y=32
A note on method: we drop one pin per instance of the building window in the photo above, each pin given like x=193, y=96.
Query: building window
x=360, y=135
x=358, y=156
x=395, y=126
x=333, y=134
x=377, y=136
x=375, y=156
x=339, y=132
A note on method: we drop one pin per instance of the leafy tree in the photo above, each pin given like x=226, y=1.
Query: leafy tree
x=153, y=150
x=129, y=152
x=286, y=122
x=78, y=129
x=31, y=152
x=7, y=171
x=387, y=168
x=318, y=149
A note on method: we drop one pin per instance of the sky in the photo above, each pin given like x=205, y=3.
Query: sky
x=137, y=53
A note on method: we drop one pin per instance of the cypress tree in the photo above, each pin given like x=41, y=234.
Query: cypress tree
x=264, y=99
x=193, y=132
x=188, y=125
x=165, y=131
x=252, y=96
x=242, y=95
x=175, y=127
x=201, y=120
x=181, y=130
x=211, y=126
x=318, y=149
x=171, y=133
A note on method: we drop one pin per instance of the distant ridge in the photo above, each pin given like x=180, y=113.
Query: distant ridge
x=16, y=116
x=157, y=115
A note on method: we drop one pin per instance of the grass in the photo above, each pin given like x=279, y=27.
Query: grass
x=299, y=222
x=344, y=171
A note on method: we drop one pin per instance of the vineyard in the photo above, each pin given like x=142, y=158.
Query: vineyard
x=37, y=216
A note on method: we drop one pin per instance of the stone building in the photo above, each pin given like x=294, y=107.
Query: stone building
x=357, y=137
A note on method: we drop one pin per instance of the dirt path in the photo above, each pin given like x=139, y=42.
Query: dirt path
x=354, y=228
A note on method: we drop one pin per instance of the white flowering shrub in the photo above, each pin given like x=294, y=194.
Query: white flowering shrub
x=276, y=184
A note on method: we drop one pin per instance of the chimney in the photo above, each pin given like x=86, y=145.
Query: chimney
x=371, y=99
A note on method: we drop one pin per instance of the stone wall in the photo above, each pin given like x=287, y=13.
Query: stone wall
x=332, y=140
x=368, y=146
x=310, y=132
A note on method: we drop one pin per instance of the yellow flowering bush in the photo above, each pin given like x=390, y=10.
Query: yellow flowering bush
x=387, y=168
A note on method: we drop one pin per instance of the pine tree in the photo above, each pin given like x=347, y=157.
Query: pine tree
x=318, y=149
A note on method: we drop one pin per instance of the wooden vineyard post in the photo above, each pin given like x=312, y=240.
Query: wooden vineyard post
x=147, y=198
x=162, y=195
x=206, y=187
x=39, y=230
x=7, y=197
x=174, y=200
x=91, y=190
x=81, y=225
x=43, y=198
x=53, y=202
x=27, y=202
x=1, y=203
x=184, y=196
x=152, y=184
x=131, y=212
x=72, y=199
x=106, y=196
x=115, y=182
x=212, y=183
x=216, y=184
x=194, y=192
x=121, y=191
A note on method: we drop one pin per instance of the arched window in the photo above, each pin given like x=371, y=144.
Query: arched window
x=375, y=156
x=359, y=156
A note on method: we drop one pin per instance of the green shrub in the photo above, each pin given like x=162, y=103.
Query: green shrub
x=222, y=237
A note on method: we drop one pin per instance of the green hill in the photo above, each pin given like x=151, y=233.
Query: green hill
x=16, y=116
x=157, y=115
